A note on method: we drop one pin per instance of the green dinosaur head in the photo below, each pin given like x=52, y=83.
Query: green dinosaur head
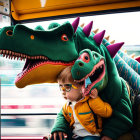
x=40, y=43
x=90, y=67
x=46, y=52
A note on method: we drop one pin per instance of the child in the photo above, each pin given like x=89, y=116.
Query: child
x=78, y=109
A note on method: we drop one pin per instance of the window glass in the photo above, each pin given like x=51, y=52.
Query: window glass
x=46, y=98
x=5, y=6
x=4, y=13
x=121, y=27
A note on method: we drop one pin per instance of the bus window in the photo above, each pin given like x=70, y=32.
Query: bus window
x=5, y=19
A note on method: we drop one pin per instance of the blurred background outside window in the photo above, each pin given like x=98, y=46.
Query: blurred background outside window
x=4, y=13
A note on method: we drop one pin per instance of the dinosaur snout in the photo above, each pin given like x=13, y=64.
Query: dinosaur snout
x=78, y=73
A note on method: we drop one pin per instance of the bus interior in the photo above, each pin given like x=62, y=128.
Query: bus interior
x=29, y=113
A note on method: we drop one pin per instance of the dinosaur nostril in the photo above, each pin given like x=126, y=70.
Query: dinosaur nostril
x=80, y=64
x=9, y=32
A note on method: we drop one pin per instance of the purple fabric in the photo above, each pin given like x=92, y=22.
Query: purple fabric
x=138, y=59
x=99, y=37
x=114, y=48
x=87, y=28
x=75, y=23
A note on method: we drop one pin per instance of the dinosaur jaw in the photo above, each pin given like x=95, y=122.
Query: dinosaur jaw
x=37, y=69
x=42, y=72
x=96, y=75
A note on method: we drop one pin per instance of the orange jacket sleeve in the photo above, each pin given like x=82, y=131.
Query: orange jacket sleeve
x=100, y=107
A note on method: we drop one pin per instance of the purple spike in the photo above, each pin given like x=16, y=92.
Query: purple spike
x=75, y=24
x=99, y=37
x=87, y=28
x=114, y=48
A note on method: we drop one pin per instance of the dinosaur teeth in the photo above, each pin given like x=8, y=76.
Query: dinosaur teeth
x=10, y=52
x=19, y=75
x=19, y=56
x=36, y=57
x=6, y=55
x=12, y=55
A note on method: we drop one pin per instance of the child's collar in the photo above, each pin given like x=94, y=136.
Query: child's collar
x=85, y=98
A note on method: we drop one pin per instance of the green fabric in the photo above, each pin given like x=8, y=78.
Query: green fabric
x=135, y=65
x=121, y=120
x=113, y=92
x=22, y=43
x=61, y=124
x=125, y=71
x=128, y=68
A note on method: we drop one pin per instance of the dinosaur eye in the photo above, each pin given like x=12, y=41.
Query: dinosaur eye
x=85, y=57
x=64, y=37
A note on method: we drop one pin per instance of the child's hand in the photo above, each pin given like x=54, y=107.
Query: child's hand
x=94, y=93
x=106, y=138
x=55, y=136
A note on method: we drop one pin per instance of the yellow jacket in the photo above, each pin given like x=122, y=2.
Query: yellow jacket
x=84, y=114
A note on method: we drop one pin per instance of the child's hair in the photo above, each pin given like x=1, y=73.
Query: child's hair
x=66, y=75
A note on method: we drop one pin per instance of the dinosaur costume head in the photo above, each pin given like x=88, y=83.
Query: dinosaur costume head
x=91, y=68
x=46, y=52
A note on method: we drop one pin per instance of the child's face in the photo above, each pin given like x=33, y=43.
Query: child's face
x=73, y=93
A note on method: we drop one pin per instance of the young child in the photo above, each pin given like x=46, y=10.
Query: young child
x=80, y=111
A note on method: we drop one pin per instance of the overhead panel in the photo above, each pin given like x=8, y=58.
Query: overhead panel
x=32, y=9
